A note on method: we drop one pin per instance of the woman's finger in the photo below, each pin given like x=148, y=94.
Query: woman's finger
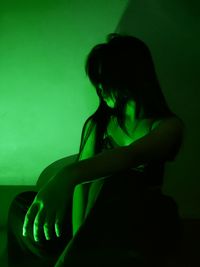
x=60, y=217
x=48, y=226
x=38, y=225
x=29, y=219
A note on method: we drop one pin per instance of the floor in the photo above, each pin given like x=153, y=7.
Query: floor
x=3, y=242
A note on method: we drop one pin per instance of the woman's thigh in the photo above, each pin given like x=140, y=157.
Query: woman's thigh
x=46, y=251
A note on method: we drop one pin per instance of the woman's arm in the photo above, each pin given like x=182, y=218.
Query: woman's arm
x=155, y=146
x=52, y=169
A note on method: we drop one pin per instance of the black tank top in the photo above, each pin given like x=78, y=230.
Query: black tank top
x=153, y=173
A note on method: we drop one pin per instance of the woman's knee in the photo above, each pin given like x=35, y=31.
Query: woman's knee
x=20, y=204
x=17, y=212
x=26, y=196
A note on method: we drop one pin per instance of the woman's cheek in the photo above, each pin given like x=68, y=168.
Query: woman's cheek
x=110, y=103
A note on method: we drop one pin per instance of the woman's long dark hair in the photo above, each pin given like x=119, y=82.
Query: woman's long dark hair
x=123, y=66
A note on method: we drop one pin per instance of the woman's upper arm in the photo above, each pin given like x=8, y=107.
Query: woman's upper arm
x=163, y=141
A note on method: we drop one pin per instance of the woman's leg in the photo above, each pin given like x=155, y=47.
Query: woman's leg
x=163, y=229
x=124, y=230
x=24, y=251
x=105, y=237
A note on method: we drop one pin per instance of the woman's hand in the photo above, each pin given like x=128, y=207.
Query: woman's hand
x=47, y=212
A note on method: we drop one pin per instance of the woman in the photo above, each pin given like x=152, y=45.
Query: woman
x=107, y=208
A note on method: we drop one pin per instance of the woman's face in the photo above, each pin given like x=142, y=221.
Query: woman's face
x=110, y=101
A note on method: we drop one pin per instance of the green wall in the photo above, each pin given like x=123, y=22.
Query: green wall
x=46, y=96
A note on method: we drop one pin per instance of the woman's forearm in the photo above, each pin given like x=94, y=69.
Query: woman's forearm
x=100, y=166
